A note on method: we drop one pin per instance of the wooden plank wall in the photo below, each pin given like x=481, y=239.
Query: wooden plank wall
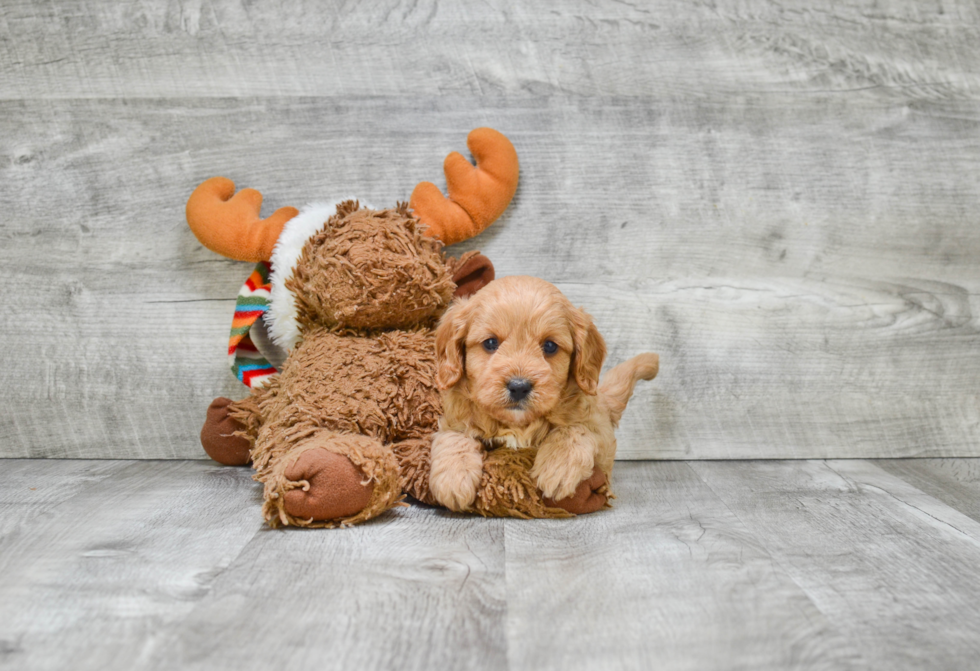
x=780, y=199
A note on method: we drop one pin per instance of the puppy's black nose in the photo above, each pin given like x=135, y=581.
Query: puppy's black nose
x=519, y=388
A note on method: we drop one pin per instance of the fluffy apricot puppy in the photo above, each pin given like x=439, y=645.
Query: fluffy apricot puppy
x=518, y=366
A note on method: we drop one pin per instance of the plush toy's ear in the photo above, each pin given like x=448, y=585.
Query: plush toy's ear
x=451, y=344
x=590, y=351
x=477, y=195
x=472, y=274
x=229, y=223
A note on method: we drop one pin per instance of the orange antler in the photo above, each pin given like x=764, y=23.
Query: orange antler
x=230, y=224
x=477, y=195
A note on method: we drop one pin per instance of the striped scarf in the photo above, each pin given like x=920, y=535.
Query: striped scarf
x=247, y=363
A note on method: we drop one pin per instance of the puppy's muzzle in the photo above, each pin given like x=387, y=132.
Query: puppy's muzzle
x=519, y=388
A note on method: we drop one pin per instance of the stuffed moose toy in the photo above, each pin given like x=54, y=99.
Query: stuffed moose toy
x=343, y=430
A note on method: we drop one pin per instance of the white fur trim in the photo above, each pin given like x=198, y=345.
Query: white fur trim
x=281, y=315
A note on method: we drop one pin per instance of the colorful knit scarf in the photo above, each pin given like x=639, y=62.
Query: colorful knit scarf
x=247, y=363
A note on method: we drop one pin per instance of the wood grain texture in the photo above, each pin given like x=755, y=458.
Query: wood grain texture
x=87, y=580
x=881, y=559
x=779, y=199
x=415, y=589
x=955, y=482
x=669, y=579
x=145, y=564
x=31, y=491
x=87, y=48
x=167, y=564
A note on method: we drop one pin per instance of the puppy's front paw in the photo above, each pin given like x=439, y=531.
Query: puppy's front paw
x=566, y=458
x=457, y=464
x=556, y=481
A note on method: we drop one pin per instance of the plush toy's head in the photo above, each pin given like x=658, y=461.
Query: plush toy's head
x=341, y=265
x=371, y=269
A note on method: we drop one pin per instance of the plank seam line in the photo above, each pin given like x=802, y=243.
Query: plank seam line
x=867, y=485
x=780, y=569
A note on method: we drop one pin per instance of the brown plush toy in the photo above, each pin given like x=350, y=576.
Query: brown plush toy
x=344, y=428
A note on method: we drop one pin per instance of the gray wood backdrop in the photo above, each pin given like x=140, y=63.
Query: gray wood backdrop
x=780, y=199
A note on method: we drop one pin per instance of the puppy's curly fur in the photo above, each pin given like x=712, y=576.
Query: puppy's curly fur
x=524, y=329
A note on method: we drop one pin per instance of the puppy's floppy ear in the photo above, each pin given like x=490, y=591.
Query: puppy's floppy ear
x=590, y=351
x=451, y=343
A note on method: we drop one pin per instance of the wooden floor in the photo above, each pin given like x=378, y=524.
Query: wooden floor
x=700, y=565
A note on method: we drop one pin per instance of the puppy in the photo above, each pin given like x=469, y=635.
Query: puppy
x=518, y=366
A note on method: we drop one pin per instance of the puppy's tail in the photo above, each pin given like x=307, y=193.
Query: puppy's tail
x=617, y=386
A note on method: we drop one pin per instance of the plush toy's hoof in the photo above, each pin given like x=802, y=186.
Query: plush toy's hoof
x=217, y=435
x=336, y=487
x=589, y=496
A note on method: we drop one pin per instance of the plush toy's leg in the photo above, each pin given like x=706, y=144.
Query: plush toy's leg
x=506, y=489
x=591, y=495
x=330, y=479
x=332, y=487
x=221, y=435
x=413, y=465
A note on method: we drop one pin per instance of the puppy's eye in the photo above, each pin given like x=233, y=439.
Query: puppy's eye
x=491, y=344
x=549, y=347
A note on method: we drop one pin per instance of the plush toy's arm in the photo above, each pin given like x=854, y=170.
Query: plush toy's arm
x=229, y=430
x=477, y=195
